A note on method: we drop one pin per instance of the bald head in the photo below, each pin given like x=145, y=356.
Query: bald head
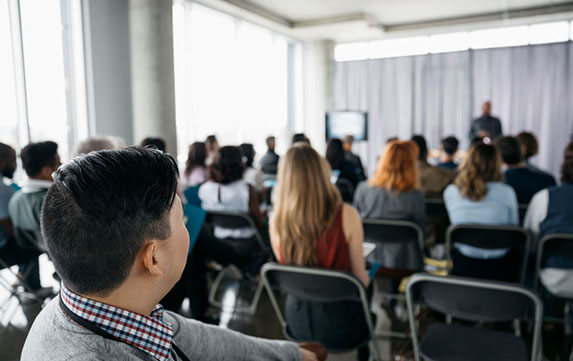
x=486, y=108
x=7, y=160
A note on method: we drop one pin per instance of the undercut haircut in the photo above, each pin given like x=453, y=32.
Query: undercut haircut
x=450, y=145
x=36, y=156
x=101, y=209
x=509, y=149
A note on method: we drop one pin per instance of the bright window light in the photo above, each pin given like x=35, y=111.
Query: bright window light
x=444, y=43
x=399, y=47
x=500, y=37
x=349, y=52
x=571, y=29
x=549, y=33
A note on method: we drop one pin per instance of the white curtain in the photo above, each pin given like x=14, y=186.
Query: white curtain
x=531, y=88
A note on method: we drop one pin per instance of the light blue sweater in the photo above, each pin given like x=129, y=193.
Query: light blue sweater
x=499, y=207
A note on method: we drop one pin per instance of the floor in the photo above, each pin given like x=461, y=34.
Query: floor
x=15, y=319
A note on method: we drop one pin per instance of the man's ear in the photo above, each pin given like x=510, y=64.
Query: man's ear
x=149, y=258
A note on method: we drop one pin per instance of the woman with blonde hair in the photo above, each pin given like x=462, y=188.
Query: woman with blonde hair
x=311, y=227
x=478, y=196
x=392, y=193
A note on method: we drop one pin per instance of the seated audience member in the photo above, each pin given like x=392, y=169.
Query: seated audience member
x=433, y=180
x=529, y=147
x=212, y=147
x=550, y=210
x=347, y=142
x=158, y=143
x=523, y=180
x=347, y=170
x=195, y=170
x=479, y=196
x=449, y=148
x=39, y=160
x=93, y=144
x=227, y=191
x=312, y=227
x=119, y=248
x=10, y=252
x=251, y=175
x=391, y=193
x=391, y=139
x=300, y=137
x=269, y=163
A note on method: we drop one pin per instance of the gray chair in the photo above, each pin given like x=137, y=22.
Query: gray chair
x=399, y=252
x=555, y=251
x=399, y=245
x=510, y=268
x=230, y=220
x=320, y=286
x=475, y=301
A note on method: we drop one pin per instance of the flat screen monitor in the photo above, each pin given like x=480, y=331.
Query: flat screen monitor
x=341, y=123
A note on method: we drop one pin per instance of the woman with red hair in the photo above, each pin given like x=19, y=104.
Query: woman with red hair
x=392, y=192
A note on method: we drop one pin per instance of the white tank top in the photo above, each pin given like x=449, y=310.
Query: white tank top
x=227, y=197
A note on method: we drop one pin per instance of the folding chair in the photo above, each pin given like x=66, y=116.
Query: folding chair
x=554, y=271
x=323, y=287
x=474, y=301
x=399, y=252
x=233, y=220
x=508, y=268
x=14, y=282
x=522, y=207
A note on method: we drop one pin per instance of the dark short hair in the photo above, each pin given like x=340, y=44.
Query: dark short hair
x=227, y=166
x=567, y=166
x=158, y=143
x=335, y=153
x=210, y=140
x=300, y=137
x=36, y=156
x=422, y=146
x=269, y=140
x=509, y=148
x=248, y=154
x=450, y=145
x=529, y=141
x=101, y=209
x=196, y=156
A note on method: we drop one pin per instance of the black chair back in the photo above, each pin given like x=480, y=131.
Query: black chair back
x=476, y=301
x=554, y=251
x=490, y=237
x=399, y=244
x=233, y=220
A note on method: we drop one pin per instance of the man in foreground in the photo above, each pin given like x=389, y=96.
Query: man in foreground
x=113, y=225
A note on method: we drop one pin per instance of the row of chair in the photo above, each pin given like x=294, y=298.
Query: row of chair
x=464, y=299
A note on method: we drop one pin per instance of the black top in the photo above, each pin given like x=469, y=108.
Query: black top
x=526, y=182
x=449, y=165
x=488, y=123
x=351, y=172
x=269, y=162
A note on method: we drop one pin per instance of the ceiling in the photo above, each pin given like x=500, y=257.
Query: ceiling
x=352, y=20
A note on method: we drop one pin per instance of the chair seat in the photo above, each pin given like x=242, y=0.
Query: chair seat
x=461, y=343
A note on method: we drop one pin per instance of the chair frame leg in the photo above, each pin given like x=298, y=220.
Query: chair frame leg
x=250, y=309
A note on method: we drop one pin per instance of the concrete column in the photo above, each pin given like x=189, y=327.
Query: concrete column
x=318, y=60
x=152, y=73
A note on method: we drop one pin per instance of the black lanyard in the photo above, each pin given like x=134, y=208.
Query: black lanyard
x=175, y=351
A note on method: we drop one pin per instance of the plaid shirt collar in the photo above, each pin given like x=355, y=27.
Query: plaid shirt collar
x=147, y=333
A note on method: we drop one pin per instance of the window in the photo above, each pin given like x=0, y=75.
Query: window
x=41, y=84
x=543, y=33
x=232, y=83
x=9, y=130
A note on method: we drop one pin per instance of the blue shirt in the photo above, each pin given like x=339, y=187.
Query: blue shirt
x=449, y=165
x=499, y=207
x=6, y=193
